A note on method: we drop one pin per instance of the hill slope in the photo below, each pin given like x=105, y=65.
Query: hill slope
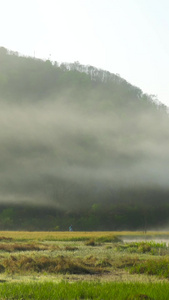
x=81, y=142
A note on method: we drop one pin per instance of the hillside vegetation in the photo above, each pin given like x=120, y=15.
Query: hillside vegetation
x=79, y=146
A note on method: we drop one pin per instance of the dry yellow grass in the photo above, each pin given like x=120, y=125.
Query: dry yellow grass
x=64, y=235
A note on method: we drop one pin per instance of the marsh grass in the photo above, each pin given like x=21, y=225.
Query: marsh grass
x=144, y=247
x=79, y=236
x=16, y=247
x=55, y=235
x=97, y=241
x=90, y=242
x=109, y=239
x=85, y=290
x=4, y=238
x=21, y=247
x=125, y=262
x=158, y=267
x=77, y=256
x=70, y=248
x=60, y=264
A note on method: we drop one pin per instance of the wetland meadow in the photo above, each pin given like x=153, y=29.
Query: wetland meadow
x=84, y=265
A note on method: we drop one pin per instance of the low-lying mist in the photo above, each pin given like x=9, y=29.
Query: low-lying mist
x=58, y=153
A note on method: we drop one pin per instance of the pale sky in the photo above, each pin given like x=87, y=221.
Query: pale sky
x=128, y=37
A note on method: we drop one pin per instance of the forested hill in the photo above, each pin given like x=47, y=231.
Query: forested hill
x=79, y=145
x=29, y=79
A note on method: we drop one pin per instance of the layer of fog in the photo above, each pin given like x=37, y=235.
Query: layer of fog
x=48, y=151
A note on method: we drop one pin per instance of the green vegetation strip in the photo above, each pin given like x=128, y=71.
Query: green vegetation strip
x=144, y=247
x=159, y=267
x=84, y=290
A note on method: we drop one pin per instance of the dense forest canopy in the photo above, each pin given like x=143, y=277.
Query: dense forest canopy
x=80, y=145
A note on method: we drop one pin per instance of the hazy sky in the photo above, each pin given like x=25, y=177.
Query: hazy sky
x=128, y=37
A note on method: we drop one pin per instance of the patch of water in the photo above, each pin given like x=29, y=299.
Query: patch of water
x=142, y=239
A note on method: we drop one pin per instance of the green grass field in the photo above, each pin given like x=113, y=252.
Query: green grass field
x=84, y=265
x=85, y=290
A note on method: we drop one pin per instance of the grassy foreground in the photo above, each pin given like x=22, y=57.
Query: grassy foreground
x=84, y=265
x=85, y=290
